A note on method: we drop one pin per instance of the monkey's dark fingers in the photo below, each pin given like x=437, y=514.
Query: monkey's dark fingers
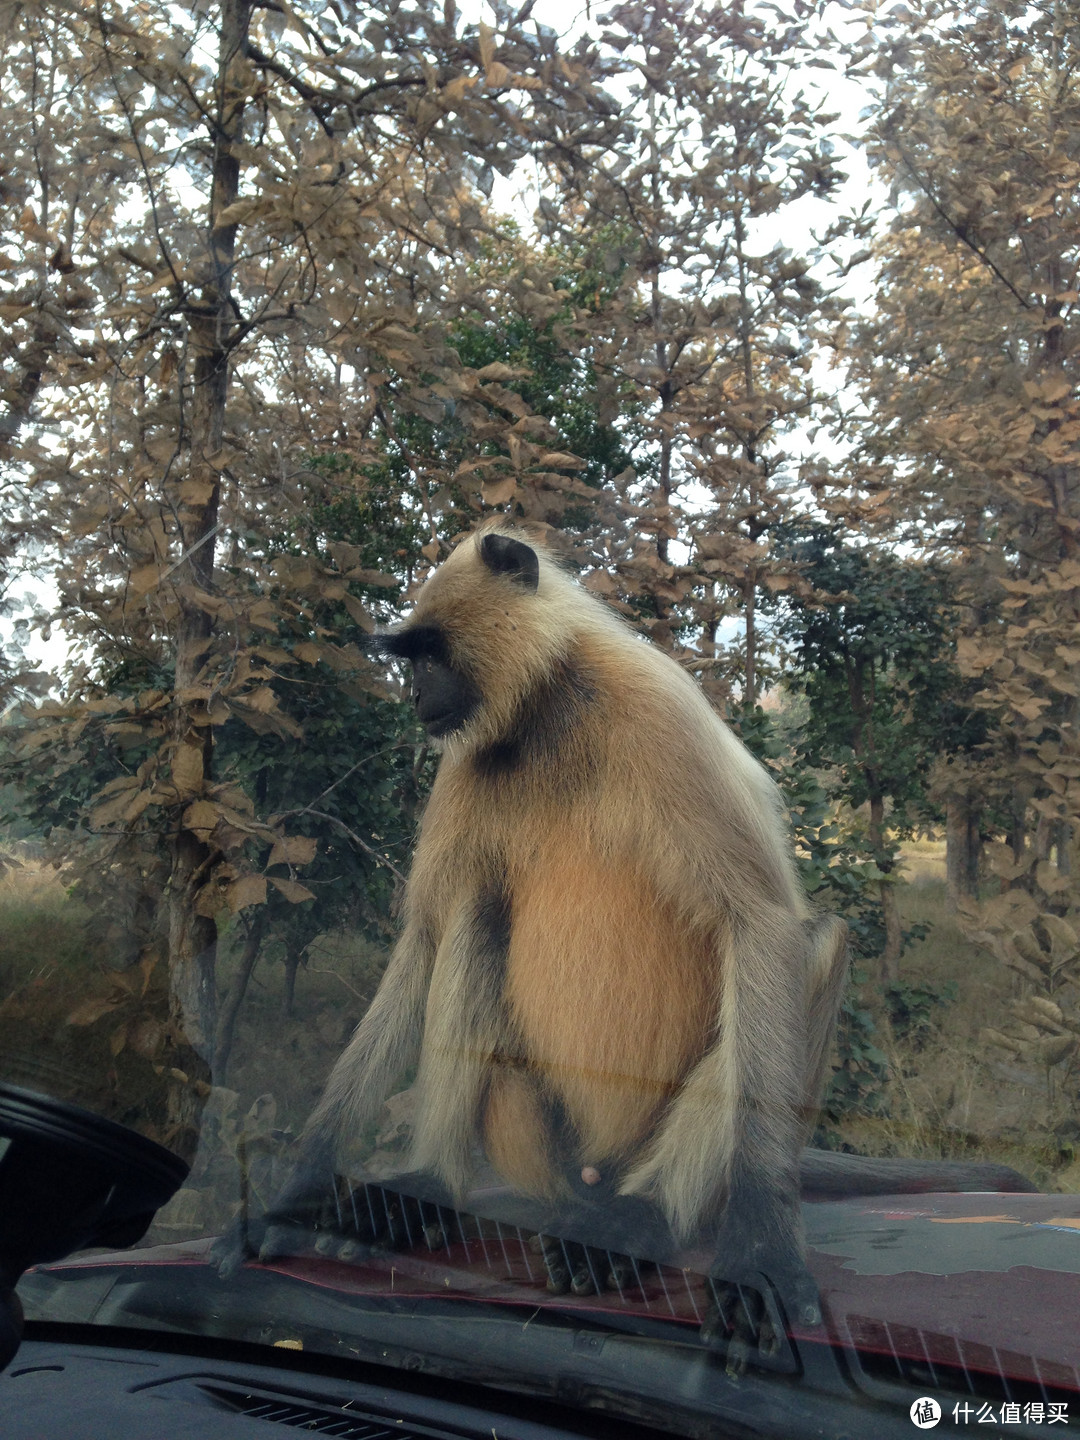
x=374, y=1219
x=800, y=1296
x=343, y=1224
x=317, y=1218
x=740, y=1320
x=753, y=1310
x=787, y=1278
x=390, y=1221
x=269, y=1236
x=591, y=1274
x=587, y=1269
x=230, y=1250
x=284, y=1238
x=308, y=1214
x=388, y=1218
x=562, y=1261
x=570, y=1267
x=624, y=1272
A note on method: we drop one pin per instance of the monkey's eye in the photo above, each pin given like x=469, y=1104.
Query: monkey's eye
x=416, y=642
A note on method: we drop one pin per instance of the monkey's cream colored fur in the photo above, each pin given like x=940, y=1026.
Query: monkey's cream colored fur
x=665, y=981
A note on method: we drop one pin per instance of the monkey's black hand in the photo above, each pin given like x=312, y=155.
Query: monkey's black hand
x=760, y=1288
x=336, y=1219
x=588, y=1269
x=290, y=1225
x=605, y=1242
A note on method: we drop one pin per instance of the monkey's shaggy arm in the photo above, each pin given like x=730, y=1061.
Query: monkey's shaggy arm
x=386, y=1043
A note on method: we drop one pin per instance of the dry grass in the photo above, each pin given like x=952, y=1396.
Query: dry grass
x=955, y=1097
x=289, y=1057
x=922, y=861
x=951, y=1097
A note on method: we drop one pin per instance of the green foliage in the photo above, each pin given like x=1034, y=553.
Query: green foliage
x=858, y=1085
x=872, y=651
x=842, y=877
x=914, y=1009
x=354, y=780
x=540, y=373
x=835, y=865
x=558, y=385
x=345, y=779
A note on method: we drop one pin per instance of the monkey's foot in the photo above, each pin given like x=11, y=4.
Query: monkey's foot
x=337, y=1220
x=756, y=1305
x=588, y=1269
x=606, y=1243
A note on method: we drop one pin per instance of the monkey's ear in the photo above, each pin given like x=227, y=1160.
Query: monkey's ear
x=509, y=557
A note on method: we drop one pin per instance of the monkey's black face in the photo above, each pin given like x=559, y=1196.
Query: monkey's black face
x=443, y=696
x=444, y=699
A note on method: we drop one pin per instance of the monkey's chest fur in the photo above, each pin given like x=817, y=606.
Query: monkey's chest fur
x=608, y=991
x=601, y=996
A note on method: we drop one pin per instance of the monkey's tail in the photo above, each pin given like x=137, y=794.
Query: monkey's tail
x=830, y=1175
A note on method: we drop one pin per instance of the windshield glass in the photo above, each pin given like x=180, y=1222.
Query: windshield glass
x=538, y=659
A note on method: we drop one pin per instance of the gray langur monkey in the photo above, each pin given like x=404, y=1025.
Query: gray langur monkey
x=608, y=973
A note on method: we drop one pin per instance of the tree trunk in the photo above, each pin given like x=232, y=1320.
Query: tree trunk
x=193, y=937
x=963, y=843
x=894, y=935
x=753, y=523
x=750, y=680
x=974, y=849
x=1018, y=838
x=227, y=1024
x=292, y=964
x=890, y=956
x=1063, y=847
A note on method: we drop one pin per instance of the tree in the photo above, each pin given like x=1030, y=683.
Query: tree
x=233, y=236
x=870, y=650
x=970, y=370
x=706, y=324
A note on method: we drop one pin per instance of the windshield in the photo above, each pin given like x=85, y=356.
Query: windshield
x=538, y=654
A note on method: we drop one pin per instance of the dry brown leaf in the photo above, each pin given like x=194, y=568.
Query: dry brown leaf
x=201, y=816
x=293, y=891
x=358, y=613
x=91, y=1010
x=247, y=890
x=294, y=850
x=187, y=770
x=499, y=492
x=145, y=578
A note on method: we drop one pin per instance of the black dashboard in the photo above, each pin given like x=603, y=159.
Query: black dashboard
x=61, y=1389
